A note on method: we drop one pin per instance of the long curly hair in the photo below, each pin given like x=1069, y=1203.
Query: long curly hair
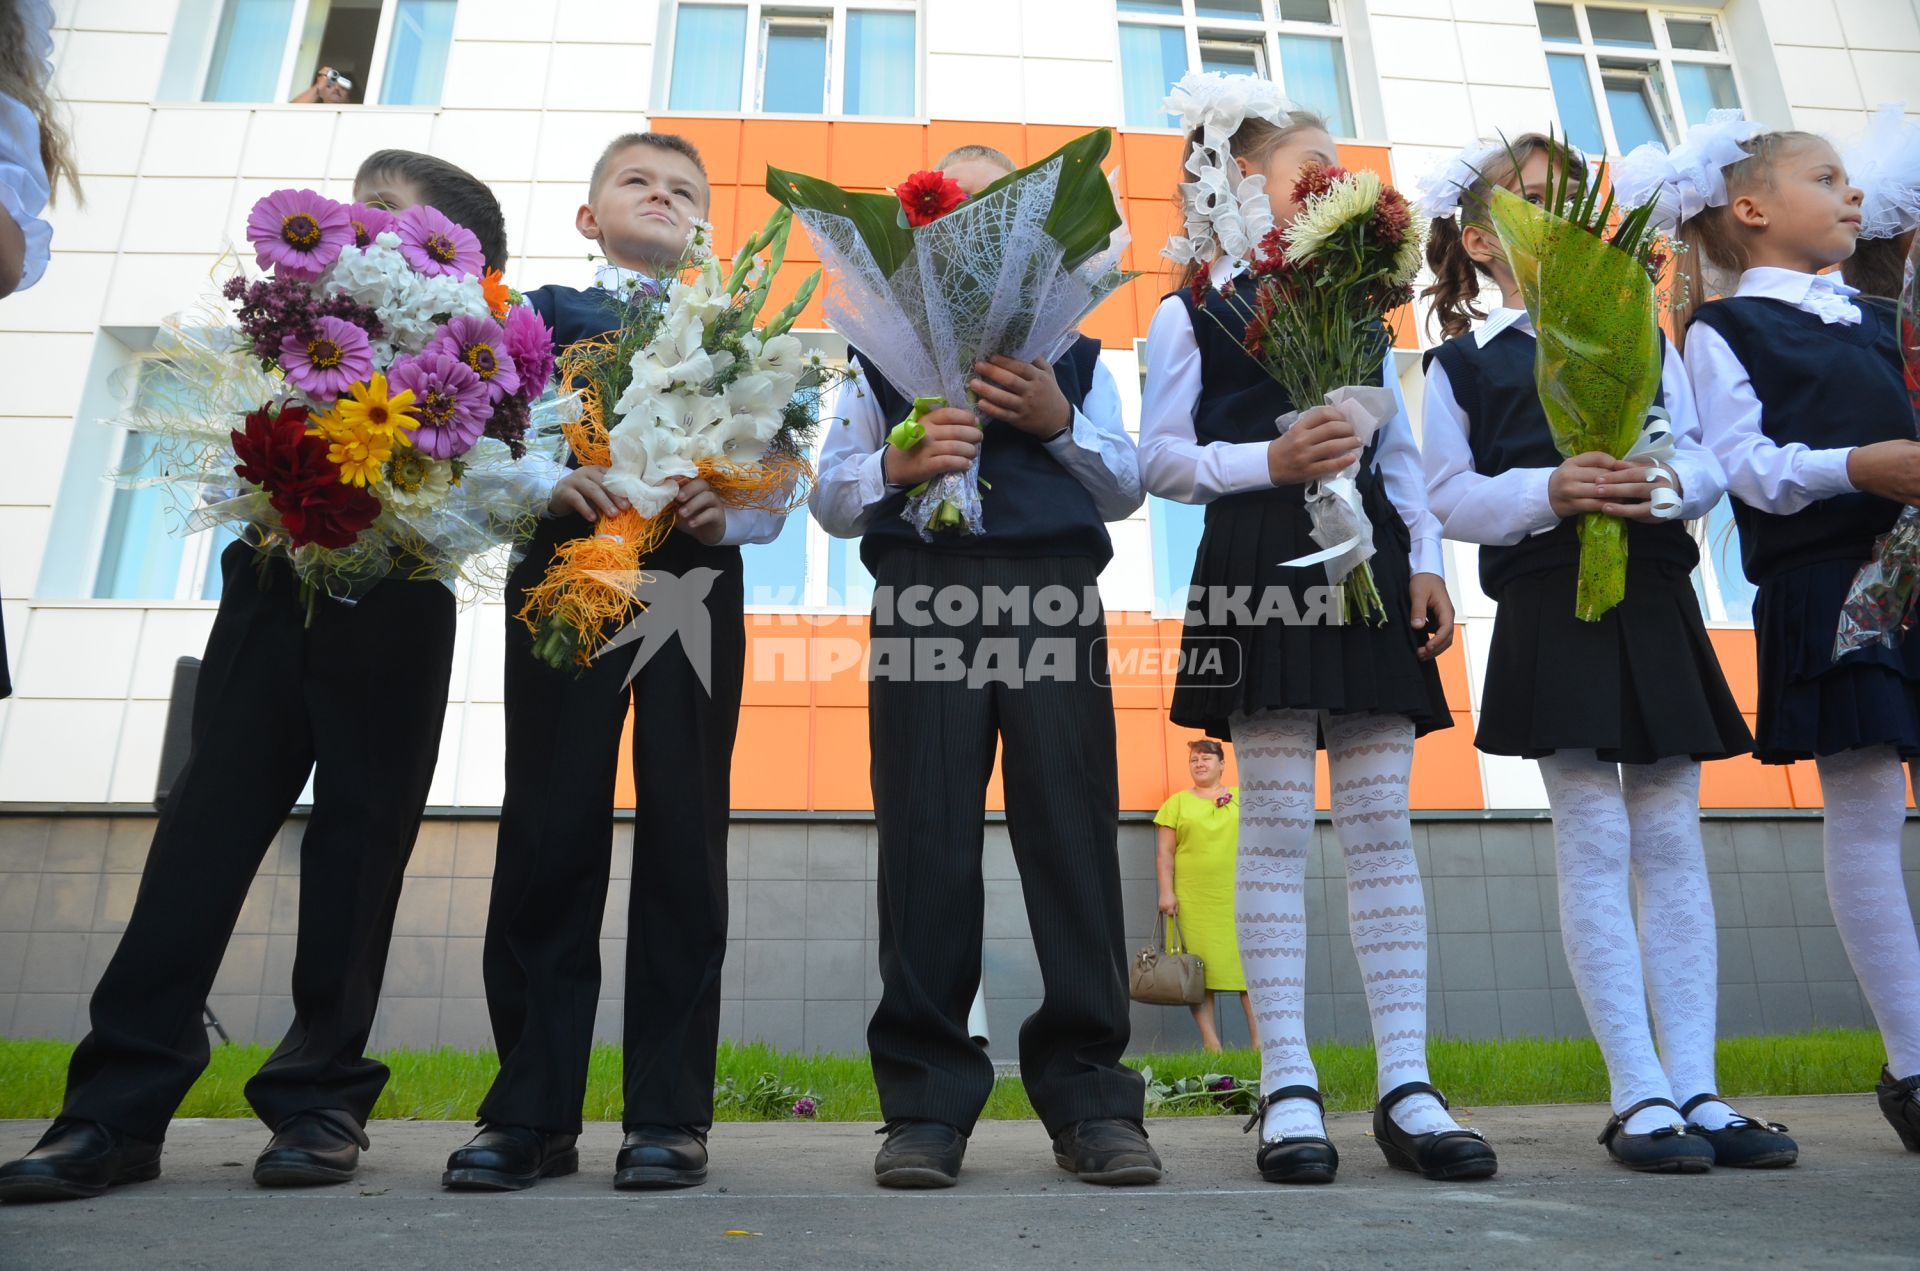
x=26, y=78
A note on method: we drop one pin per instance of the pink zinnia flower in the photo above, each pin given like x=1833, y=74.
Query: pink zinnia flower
x=530, y=344
x=448, y=399
x=324, y=364
x=433, y=244
x=482, y=345
x=369, y=221
x=298, y=233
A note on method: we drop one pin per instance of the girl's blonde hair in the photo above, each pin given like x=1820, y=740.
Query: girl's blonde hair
x=1253, y=141
x=23, y=77
x=1455, y=290
x=1711, y=238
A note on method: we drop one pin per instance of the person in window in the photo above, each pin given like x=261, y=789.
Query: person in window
x=1060, y=465
x=34, y=155
x=329, y=88
x=1199, y=839
x=563, y=749
x=354, y=696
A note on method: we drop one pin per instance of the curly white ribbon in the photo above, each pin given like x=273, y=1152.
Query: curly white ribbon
x=1654, y=448
x=1440, y=190
x=1885, y=165
x=1226, y=214
x=1689, y=179
x=1334, y=504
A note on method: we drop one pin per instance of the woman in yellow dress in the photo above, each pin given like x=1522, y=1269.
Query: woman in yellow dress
x=1199, y=839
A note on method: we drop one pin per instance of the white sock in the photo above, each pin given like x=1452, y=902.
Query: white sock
x=1274, y=750
x=1866, y=800
x=1369, y=758
x=1592, y=839
x=1678, y=946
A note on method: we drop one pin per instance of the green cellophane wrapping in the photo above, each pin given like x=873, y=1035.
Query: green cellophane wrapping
x=1596, y=362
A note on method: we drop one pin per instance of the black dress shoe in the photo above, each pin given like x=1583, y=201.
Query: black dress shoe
x=1900, y=1105
x=311, y=1149
x=1301, y=1158
x=1744, y=1143
x=656, y=1156
x=919, y=1154
x=1444, y=1154
x=1107, y=1151
x=1667, y=1150
x=77, y=1159
x=510, y=1158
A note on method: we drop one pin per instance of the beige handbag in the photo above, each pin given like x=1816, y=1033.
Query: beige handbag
x=1166, y=974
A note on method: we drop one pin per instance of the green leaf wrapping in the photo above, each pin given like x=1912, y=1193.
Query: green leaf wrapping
x=1596, y=363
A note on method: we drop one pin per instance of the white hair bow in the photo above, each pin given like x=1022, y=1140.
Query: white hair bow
x=1690, y=178
x=1440, y=190
x=1885, y=164
x=1226, y=214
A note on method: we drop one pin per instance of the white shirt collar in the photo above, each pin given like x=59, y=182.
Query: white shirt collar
x=1499, y=320
x=623, y=281
x=1826, y=296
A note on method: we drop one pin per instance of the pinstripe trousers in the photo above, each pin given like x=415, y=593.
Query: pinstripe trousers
x=933, y=738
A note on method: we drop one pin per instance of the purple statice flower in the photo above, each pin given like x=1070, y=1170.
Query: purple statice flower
x=448, y=399
x=434, y=245
x=509, y=424
x=805, y=1107
x=482, y=344
x=334, y=356
x=369, y=221
x=271, y=311
x=530, y=344
x=298, y=233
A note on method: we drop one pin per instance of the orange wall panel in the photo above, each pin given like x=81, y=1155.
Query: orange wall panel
x=842, y=760
x=773, y=758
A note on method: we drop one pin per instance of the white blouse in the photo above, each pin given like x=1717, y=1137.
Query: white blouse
x=24, y=189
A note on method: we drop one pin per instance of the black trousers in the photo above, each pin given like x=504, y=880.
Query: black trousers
x=542, y=958
x=933, y=746
x=358, y=701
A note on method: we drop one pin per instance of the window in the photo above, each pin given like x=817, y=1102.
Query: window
x=1297, y=43
x=393, y=51
x=1623, y=77
x=848, y=57
x=1176, y=530
x=1721, y=581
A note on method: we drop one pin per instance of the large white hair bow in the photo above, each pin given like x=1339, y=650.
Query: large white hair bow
x=1690, y=178
x=1885, y=164
x=1440, y=190
x=1226, y=214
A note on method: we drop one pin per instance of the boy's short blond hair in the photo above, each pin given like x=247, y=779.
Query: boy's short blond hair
x=961, y=154
x=657, y=140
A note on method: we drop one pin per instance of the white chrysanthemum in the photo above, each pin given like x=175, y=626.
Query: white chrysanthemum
x=1406, y=262
x=1352, y=198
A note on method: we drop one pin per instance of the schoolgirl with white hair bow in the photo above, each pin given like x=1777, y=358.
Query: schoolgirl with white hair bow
x=1619, y=742
x=1264, y=666
x=1804, y=401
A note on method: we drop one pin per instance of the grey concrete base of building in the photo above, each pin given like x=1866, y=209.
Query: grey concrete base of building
x=801, y=970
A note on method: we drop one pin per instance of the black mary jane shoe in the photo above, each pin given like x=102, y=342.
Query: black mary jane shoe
x=1667, y=1150
x=1443, y=1155
x=1297, y=1159
x=1743, y=1143
x=78, y=1160
x=311, y=1149
x=653, y=1157
x=1900, y=1105
x=510, y=1158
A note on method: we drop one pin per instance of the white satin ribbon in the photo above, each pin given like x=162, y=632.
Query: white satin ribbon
x=1654, y=447
x=1334, y=505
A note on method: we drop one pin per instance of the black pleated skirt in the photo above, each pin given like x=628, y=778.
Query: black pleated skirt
x=1811, y=705
x=1640, y=684
x=1254, y=658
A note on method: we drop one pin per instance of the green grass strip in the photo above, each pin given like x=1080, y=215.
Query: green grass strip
x=448, y=1084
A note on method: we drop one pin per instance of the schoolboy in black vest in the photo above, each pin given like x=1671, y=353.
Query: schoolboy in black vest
x=366, y=724
x=1055, y=463
x=542, y=958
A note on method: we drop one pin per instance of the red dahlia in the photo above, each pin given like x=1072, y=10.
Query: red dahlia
x=928, y=196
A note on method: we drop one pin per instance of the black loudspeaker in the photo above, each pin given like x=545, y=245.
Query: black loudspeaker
x=178, y=738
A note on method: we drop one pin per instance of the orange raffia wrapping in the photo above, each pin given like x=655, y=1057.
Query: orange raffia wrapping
x=592, y=582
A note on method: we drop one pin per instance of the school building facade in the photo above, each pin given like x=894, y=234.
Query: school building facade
x=181, y=118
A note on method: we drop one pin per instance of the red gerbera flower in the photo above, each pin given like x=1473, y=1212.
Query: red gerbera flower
x=928, y=196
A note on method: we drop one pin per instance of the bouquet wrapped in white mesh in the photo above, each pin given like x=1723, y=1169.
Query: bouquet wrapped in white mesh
x=926, y=281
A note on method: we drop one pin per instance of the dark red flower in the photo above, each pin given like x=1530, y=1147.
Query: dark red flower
x=1315, y=180
x=277, y=454
x=1392, y=218
x=928, y=196
x=329, y=515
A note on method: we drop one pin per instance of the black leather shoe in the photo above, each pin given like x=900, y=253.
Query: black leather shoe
x=1900, y=1105
x=656, y=1156
x=919, y=1154
x=311, y=1149
x=1667, y=1150
x=1300, y=1159
x=1744, y=1143
x=1109, y=1152
x=75, y=1160
x=1444, y=1154
x=509, y=1158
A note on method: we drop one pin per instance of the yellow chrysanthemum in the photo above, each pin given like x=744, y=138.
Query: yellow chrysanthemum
x=371, y=409
x=1351, y=198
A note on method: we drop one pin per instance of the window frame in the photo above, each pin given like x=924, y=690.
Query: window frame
x=1264, y=31
x=1663, y=56
x=289, y=55
x=754, y=58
